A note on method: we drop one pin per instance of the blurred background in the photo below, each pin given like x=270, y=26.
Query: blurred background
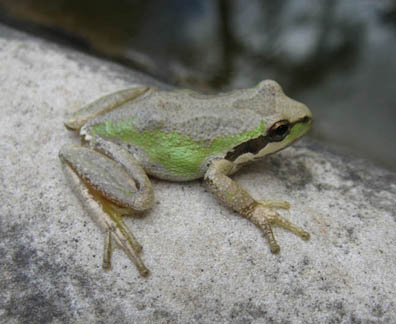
x=337, y=56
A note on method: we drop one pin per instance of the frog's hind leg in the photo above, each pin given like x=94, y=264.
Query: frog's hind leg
x=105, y=104
x=109, y=187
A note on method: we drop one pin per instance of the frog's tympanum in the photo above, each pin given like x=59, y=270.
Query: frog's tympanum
x=178, y=136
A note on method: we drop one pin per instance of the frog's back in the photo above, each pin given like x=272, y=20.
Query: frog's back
x=189, y=113
x=175, y=134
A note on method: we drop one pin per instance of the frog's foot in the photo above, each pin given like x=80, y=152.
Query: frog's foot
x=264, y=217
x=117, y=230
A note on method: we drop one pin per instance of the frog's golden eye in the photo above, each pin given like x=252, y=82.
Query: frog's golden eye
x=279, y=131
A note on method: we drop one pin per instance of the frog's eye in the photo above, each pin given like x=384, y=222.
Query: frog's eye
x=279, y=131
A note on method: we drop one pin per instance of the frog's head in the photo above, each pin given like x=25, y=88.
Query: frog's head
x=284, y=121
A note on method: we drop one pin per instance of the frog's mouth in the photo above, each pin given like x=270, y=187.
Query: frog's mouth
x=281, y=131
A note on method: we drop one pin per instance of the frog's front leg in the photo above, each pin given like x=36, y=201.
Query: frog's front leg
x=110, y=183
x=237, y=198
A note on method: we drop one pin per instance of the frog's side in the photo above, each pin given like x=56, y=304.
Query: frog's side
x=178, y=136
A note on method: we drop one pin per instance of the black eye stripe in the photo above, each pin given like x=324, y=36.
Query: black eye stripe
x=276, y=133
x=253, y=146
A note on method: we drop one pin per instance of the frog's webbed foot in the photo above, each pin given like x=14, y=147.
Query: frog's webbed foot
x=128, y=244
x=117, y=230
x=265, y=217
x=261, y=213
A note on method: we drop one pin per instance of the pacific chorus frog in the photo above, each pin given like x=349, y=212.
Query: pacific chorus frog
x=178, y=136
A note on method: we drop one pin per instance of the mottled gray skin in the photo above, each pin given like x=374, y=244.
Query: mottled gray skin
x=204, y=117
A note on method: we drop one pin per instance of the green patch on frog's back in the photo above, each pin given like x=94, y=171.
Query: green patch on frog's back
x=179, y=154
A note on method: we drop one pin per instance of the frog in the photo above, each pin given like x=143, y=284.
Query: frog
x=177, y=135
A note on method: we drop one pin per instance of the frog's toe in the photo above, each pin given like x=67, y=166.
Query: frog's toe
x=106, y=265
x=275, y=204
x=265, y=217
x=283, y=222
x=261, y=217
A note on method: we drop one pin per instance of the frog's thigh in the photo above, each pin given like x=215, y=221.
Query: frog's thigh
x=116, y=176
x=105, y=104
x=237, y=198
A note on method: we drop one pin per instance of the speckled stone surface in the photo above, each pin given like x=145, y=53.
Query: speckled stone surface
x=208, y=265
